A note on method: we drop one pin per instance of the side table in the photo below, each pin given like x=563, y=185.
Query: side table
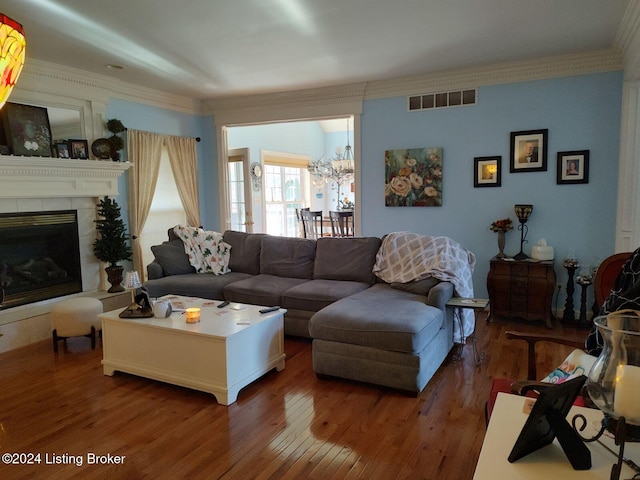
x=477, y=305
x=521, y=288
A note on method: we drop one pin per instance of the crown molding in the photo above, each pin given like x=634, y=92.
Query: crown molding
x=628, y=41
x=511, y=72
x=48, y=77
x=299, y=104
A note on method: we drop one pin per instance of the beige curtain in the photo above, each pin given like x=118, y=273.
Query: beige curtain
x=184, y=164
x=144, y=150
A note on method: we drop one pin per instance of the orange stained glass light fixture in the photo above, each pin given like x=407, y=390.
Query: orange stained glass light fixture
x=12, y=54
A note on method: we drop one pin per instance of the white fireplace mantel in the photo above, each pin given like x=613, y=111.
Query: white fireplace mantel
x=28, y=177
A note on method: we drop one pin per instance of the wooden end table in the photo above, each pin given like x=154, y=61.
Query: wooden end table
x=477, y=305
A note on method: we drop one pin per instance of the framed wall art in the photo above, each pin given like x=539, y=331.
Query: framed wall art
x=79, y=149
x=573, y=167
x=413, y=177
x=27, y=130
x=529, y=151
x=487, y=171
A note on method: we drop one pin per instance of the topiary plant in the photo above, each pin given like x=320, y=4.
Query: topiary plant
x=111, y=246
x=115, y=126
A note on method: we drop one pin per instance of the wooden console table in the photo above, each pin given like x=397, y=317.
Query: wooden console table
x=521, y=288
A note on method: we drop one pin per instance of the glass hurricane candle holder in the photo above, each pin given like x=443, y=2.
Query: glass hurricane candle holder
x=614, y=380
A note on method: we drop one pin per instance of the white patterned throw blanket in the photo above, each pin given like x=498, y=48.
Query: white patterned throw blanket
x=405, y=257
x=207, y=251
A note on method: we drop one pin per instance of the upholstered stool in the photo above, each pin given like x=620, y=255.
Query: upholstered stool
x=75, y=317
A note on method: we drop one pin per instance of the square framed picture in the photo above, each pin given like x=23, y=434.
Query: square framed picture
x=487, y=171
x=79, y=149
x=27, y=130
x=62, y=150
x=573, y=167
x=529, y=151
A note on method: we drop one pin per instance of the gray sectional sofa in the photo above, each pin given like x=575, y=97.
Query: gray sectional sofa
x=395, y=335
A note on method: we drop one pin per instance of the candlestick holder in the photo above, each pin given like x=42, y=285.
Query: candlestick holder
x=584, y=279
x=571, y=265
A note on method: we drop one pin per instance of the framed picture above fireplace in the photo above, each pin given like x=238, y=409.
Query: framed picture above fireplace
x=26, y=130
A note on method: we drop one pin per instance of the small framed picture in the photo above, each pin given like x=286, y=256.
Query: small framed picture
x=573, y=167
x=529, y=151
x=62, y=150
x=79, y=149
x=487, y=171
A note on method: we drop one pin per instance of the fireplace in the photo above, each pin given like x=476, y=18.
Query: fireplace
x=39, y=256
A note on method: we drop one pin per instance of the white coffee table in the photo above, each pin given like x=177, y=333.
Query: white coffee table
x=221, y=354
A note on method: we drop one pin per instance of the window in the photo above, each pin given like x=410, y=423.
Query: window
x=284, y=193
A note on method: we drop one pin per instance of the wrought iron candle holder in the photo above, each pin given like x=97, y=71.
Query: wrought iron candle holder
x=522, y=212
x=614, y=384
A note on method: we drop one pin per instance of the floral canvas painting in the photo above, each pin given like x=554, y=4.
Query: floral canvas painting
x=413, y=177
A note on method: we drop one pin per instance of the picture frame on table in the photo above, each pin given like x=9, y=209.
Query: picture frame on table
x=487, y=171
x=27, y=130
x=529, y=151
x=573, y=167
x=79, y=149
x=62, y=150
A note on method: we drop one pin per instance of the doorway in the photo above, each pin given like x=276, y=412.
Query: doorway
x=281, y=153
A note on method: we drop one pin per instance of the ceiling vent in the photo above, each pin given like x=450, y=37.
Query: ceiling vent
x=454, y=98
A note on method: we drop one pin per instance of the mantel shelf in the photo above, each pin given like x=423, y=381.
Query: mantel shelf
x=44, y=177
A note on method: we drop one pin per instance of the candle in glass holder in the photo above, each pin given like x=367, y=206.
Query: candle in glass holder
x=626, y=398
x=192, y=314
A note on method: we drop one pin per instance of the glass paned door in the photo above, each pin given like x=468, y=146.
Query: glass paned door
x=239, y=191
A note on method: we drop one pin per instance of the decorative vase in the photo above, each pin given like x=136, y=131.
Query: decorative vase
x=501, y=244
x=114, y=276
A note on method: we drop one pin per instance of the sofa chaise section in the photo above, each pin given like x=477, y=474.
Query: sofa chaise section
x=384, y=336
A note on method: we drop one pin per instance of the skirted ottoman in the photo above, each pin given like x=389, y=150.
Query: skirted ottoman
x=383, y=336
x=75, y=317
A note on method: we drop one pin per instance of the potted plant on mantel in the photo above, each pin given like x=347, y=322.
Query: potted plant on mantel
x=111, y=246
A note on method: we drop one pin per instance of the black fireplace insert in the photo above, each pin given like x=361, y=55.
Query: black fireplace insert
x=39, y=256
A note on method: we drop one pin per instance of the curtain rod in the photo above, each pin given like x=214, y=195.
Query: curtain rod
x=196, y=138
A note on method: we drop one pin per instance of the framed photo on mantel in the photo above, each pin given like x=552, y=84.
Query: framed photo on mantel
x=26, y=130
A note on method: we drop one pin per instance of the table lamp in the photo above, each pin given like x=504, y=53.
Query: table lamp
x=522, y=212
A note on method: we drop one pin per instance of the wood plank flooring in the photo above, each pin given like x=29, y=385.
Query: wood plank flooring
x=287, y=425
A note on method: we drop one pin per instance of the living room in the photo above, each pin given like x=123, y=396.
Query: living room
x=585, y=99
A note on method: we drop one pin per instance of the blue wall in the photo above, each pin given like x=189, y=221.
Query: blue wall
x=581, y=113
x=153, y=119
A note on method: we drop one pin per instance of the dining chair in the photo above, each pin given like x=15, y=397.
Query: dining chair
x=312, y=223
x=341, y=224
x=299, y=219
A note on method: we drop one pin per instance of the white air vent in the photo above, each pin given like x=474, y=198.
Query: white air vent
x=454, y=98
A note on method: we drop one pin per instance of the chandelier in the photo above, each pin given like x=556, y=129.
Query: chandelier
x=339, y=170
x=12, y=55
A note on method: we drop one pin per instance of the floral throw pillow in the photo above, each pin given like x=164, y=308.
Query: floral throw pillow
x=577, y=363
x=207, y=251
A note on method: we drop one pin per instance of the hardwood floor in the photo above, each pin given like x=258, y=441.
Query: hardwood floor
x=287, y=425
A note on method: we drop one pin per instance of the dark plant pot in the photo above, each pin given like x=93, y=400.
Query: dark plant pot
x=114, y=276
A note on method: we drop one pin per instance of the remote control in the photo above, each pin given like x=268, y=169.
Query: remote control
x=224, y=304
x=270, y=309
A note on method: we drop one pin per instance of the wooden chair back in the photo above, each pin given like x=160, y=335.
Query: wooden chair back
x=312, y=223
x=606, y=275
x=341, y=224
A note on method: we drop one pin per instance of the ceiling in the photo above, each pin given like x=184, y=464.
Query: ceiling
x=206, y=49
